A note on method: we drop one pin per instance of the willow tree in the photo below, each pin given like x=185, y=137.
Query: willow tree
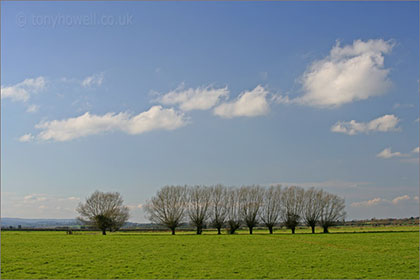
x=250, y=199
x=233, y=207
x=104, y=211
x=313, y=202
x=292, y=200
x=218, y=206
x=198, y=202
x=168, y=207
x=332, y=211
x=271, y=207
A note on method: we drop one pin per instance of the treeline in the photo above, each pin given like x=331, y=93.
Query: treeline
x=231, y=207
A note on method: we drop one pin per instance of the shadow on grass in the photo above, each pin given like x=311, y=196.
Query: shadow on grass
x=259, y=233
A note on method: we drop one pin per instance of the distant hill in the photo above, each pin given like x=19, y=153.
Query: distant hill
x=52, y=223
x=38, y=223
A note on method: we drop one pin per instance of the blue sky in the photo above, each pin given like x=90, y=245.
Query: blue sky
x=132, y=96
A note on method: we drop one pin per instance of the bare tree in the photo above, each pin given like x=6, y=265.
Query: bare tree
x=218, y=206
x=104, y=211
x=270, y=209
x=332, y=211
x=198, y=205
x=233, y=217
x=168, y=207
x=312, y=207
x=292, y=203
x=251, y=199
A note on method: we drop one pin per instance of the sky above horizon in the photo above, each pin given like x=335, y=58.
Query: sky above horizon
x=132, y=96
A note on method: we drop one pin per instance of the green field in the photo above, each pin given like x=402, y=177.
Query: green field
x=389, y=252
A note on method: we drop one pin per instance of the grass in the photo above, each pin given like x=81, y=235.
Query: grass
x=390, y=254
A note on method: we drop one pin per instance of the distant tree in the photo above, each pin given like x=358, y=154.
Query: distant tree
x=104, y=211
x=168, y=207
x=292, y=204
x=198, y=202
x=312, y=207
x=233, y=218
x=271, y=207
x=332, y=211
x=218, y=206
x=250, y=199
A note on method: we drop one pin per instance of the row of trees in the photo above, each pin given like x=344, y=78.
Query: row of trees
x=232, y=207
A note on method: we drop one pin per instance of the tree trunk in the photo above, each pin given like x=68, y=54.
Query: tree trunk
x=173, y=231
x=313, y=229
x=325, y=229
x=199, y=230
x=218, y=231
x=293, y=230
x=250, y=230
x=104, y=232
x=270, y=229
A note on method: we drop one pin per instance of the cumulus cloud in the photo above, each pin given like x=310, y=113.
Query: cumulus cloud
x=383, y=124
x=34, y=198
x=378, y=200
x=28, y=137
x=23, y=90
x=38, y=206
x=247, y=104
x=400, y=199
x=133, y=207
x=400, y=106
x=387, y=153
x=201, y=98
x=349, y=73
x=156, y=118
x=333, y=184
x=368, y=203
x=94, y=80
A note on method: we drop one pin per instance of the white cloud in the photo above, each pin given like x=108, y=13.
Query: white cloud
x=333, y=184
x=34, y=198
x=202, y=98
x=368, y=203
x=32, y=108
x=38, y=206
x=382, y=124
x=415, y=150
x=378, y=200
x=400, y=199
x=28, y=137
x=133, y=207
x=410, y=160
x=387, y=153
x=94, y=80
x=247, y=104
x=349, y=73
x=156, y=118
x=23, y=90
x=264, y=76
x=399, y=105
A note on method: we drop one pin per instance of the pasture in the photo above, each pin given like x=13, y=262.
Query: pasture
x=368, y=253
